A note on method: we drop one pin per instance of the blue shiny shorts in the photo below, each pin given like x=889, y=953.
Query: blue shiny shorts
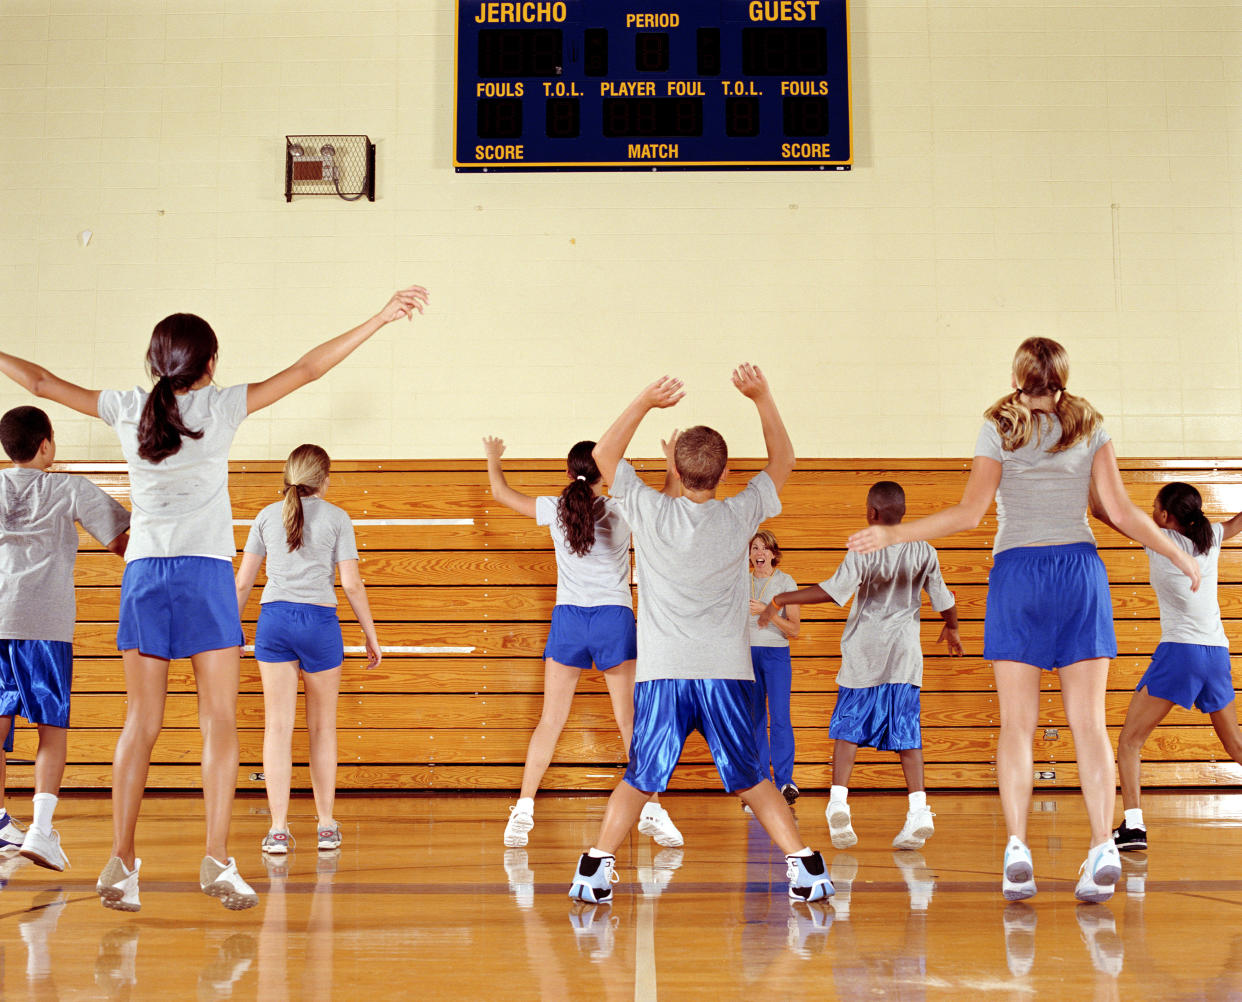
x=1190, y=675
x=36, y=677
x=1048, y=606
x=295, y=631
x=585, y=635
x=176, y=607
x=666, y=711
x=885, y=717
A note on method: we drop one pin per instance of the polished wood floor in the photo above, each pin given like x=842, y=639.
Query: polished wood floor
x=423, y=902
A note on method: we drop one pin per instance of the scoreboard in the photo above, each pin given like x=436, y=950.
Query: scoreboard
x=645, y=85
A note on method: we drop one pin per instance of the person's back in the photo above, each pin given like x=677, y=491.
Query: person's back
x=1188, y=617
x=600, y=576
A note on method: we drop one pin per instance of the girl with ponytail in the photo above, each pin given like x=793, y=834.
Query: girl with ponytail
x=306, y=542
x=1191, y=665
x=592, y=621
x=1040, y=455
x=178, y=598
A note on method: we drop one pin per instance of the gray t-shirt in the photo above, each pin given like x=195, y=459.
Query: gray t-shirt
x=763, y=589
x=880, y=644
x=181, y=505
x=307, y=574
x=602, y=575
x=39, y=545
x=691, y=560
x=1189, y=617
x=1042, y=498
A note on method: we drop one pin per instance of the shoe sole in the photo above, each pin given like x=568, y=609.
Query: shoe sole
x=817, y=891
x=1107, y=876
x=114, y=898
x=1131, y=846
x=908, y=843
x=232, y=899
x=516, y=833
x=585, y=892
x=666, y=841
x=329, y=846
x=1019, y=871
x=842, y=838
x=276, y=850
x=1096, y=896
x=1018, y=890
x=43, y=861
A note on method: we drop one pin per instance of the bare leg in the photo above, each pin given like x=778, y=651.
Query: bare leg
x=843, y=753
x=1083, y=685
x=559, y=683
x=621, y=815
x=1225, y=722
x=774, y=814
x=146, y=688
x=1017, y=690
x=1145, y=712
x=620, y=682
x=912, y=768
x=6, y=725
x=217, y=675
x=280, y=700
x=50, y=758
x=322, y=690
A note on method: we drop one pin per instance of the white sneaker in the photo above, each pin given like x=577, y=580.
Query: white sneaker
x=520, y=822
x=916, y=831
x=656, y=823
x=839, y=827
x=118, y=889
x=1018, y=876
x=1099, y=873
x=330, y=836
x=44, y=850
x=278, y=842
x=11, y=833
x=225, y=883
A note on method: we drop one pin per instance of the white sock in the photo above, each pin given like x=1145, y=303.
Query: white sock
x=839, y=793
x=918, y=800
x=43, y=806
x=526, y=804
x=806, y=850
x=1134, y=818
x=597, y=853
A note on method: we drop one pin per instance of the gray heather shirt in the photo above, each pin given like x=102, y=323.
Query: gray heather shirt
x=1042, y=499
x=39, y=545
x=880, y=644
x=307, y=574
x=602, y=575
x=693, y=601
x=763, y=589
x=1188, y=617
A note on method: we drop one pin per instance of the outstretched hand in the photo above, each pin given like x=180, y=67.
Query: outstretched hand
x=664, y=392
x=874, y=537
x=493, y=448
x=404, y=303
x=950, y=636
x=750, y=381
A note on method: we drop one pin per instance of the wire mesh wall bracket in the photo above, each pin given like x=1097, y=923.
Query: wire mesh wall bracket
x=330, y=165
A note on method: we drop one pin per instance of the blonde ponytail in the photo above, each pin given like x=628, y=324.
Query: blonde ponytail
x=306, y=469
x=1041, y=368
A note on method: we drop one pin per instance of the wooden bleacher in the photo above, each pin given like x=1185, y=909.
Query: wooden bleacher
x=460, y=720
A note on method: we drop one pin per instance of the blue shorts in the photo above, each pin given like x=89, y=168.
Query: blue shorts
x=885, y=717
x=582, y=635
x=175, y=607
x=1190, y=675
x=666, y=710
x=295, y=631
x=36, y=677
x=1048, y=606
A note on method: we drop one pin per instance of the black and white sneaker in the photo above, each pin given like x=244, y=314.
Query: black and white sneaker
x=790, y=792
x=1127, y=838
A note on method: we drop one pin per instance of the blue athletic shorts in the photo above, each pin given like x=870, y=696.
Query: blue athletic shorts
x=1190, y=675
x=1048, y=606
x=175, y=607
x=582, y=635
x=885, y=717
x=666, y=711
x=295, y=631
x=36, y=677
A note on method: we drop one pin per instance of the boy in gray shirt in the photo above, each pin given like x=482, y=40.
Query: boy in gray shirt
x=38, y=546
x=694, y=670
x=881, y=661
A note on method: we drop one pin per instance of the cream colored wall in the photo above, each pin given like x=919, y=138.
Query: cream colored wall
x=1069, y=169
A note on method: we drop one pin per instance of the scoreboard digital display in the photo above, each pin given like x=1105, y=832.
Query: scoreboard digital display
x=690, y=84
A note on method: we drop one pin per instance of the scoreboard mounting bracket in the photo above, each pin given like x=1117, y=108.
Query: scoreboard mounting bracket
x=548, y=85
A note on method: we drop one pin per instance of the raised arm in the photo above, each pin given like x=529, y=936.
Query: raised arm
x=37, y=380
x=521, y=503
x=324, y=357
x=610, y=449
x=985, y=476
x=751, y=383
x=356, y=593
x=1232, y=526
x=1126, y=517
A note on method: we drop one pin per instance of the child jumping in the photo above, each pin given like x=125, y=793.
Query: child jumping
x=178, y=596
x=694, y=670
x=39, y=513
x=881, y=661
x=306, y=541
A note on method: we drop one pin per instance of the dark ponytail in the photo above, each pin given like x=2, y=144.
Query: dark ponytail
x=1185, y=508
x=180, y=354
x=579, y=509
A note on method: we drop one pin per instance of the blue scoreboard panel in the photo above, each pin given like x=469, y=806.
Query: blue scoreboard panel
x=644, y=85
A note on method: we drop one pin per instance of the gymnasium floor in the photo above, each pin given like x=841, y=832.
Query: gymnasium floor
x=424, y=902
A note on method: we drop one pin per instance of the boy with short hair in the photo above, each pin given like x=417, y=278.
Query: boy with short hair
x=881, y=661
x=694, y=669
x=38, y=547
